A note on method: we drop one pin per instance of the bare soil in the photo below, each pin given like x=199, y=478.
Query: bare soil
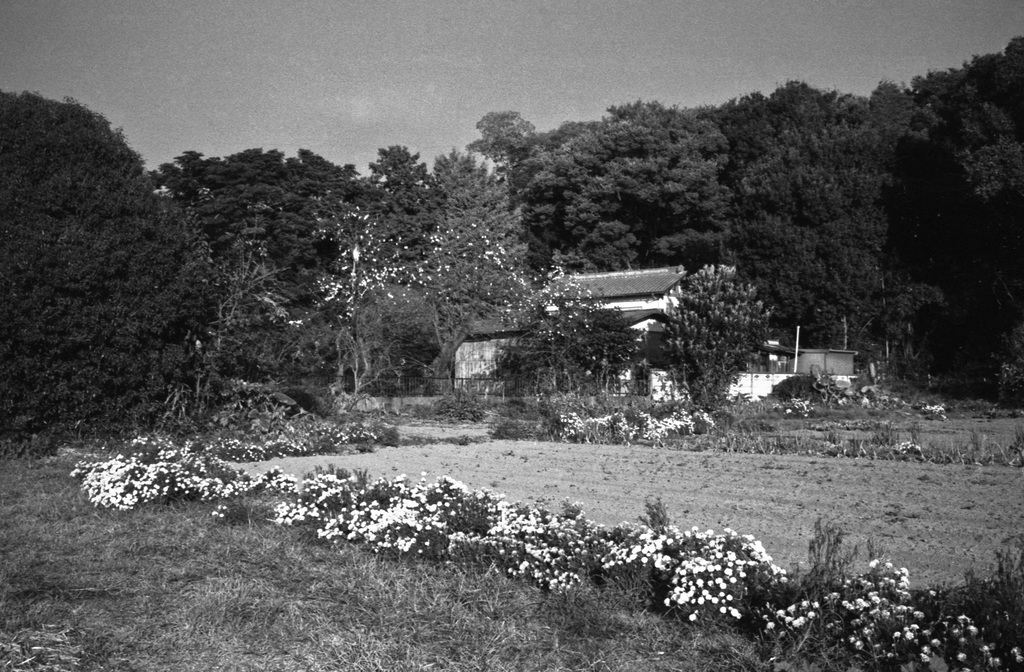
x=939, y=521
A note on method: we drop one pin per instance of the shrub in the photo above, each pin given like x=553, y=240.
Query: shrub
x=157, y=472
x=795, y=387
x=1011, y=372
x=579, y=420
x=103, y=295
x=461, y=406
x=15, y=446
x=506, y=429
x=713, y=325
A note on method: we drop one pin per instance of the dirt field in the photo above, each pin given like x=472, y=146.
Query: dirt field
x=937, y=520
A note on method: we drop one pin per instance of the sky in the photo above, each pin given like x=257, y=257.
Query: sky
x=344, y=78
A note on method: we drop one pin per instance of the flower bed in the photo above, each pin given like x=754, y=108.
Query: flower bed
x=872, y=618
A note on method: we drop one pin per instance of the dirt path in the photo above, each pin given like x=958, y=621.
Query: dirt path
x=938, y=521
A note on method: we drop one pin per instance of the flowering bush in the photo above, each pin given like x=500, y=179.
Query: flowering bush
x=694, y=573
x=876, y=618
x=160, y=473
x=578, y=423
x=311, y=438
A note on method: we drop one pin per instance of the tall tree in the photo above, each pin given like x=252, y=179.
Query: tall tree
x=808, y=171
x=259, y=212
x=639, y=188
x=405, y=203
x=475, y=266
x=958, y=200
x=101, y=295
x=715, y=322
x=506, y=139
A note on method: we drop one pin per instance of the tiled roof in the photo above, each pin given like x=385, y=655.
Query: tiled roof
x=653, y=281
x=491, y=329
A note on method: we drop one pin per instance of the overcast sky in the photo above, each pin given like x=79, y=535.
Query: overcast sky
x=345, y=77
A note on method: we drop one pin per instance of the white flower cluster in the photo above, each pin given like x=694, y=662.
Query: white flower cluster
x=873, y=615
x=797, y=407
x=706, y=573
x=626, y=428
x=171, y=474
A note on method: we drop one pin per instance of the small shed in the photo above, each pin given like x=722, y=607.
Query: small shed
x=832, y=362
x=477, y=355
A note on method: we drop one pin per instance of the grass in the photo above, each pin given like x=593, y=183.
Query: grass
x=172, y=588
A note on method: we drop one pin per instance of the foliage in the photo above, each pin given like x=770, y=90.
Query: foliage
x=569, y=341
x=639, y=188
x=404, y=206
x=1011, y=370
x=794, y=387
x=102, y=296
x=808, y=170
x=955, y=212
x=574, y=419
x=253, y=407
x=715, y=322
x=474, y=266
x=158, y=473
x=508, y=429
x=460, y=406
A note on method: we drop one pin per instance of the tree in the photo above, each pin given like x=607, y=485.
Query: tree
x=637, y=189
x=475, y=265
x=375, y=325
x=102, y=295
x=506, y=139
x=258, y=212
x=569, y=343
x=808, y=171
x=404, y=203
x=956, y=204
x=262, y=199
x=715, y=322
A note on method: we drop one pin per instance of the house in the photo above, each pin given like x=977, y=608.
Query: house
x=641, y=296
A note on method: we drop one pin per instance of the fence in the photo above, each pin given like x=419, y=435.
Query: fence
x=422, y=386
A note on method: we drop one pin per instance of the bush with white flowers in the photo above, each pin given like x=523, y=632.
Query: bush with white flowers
x=159, y=472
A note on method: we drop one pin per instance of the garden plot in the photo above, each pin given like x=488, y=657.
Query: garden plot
x=937, y=520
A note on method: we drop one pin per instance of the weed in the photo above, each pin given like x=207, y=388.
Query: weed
x=656, y=518
x=507, y=429
x=886, y=435
x=829, y=562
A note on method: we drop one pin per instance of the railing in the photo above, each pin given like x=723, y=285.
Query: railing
x=422, y=386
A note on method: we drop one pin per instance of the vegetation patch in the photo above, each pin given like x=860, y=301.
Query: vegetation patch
x=870, y=619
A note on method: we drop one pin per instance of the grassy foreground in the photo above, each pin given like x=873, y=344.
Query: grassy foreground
x=173, y=588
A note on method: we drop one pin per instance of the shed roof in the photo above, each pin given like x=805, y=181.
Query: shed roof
x=617, y=284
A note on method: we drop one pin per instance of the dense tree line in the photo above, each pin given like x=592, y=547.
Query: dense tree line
x=888, y=223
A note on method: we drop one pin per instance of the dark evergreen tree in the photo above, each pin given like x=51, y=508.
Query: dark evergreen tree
x=102, y=296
